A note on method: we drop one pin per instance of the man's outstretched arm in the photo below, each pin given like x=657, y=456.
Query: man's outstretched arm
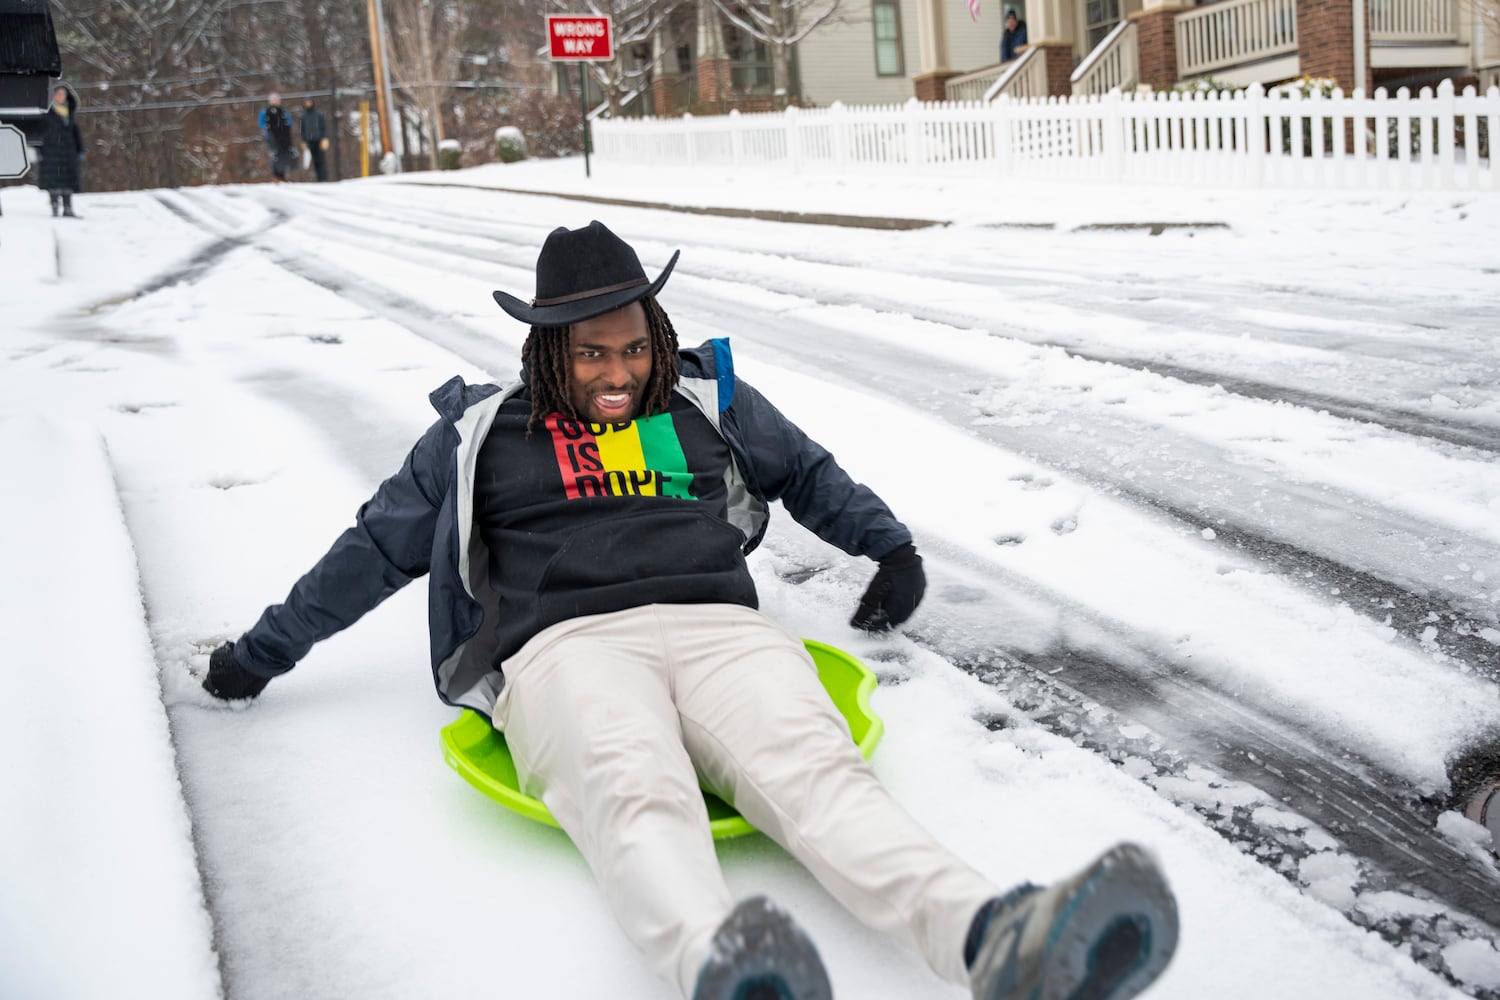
x=389, y=544
x=787, y=465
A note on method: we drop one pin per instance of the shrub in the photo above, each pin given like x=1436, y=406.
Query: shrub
x=510, y=144
x=1205, y=85
x=450, y=154
x=550, y=124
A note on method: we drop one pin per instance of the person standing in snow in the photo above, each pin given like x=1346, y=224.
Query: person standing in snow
x=585, y=530
x=1013, y=37
x=314, y=130
x=276, y=129
x=61, y=153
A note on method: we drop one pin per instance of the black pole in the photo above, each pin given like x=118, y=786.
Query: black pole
x=583, y=114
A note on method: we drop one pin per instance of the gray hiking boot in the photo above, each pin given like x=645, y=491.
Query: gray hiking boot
x=759, y=953
x=1483, y=808
x=1104, y=934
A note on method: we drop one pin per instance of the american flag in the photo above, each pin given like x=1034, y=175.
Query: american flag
x=974, y=9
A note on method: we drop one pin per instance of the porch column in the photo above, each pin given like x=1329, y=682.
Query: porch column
x=1051, y=27
x=1328, y=34
x=930, y=83
x=712, y=66
x=1156, y=38
x=1054, y=22
x=661, y=80
x=1060, y=62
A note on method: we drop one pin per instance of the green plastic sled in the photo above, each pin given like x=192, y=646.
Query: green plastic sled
x=474, y=748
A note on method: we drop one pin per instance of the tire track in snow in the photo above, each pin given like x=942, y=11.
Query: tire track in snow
x=1478, y=435
x=1411, y=422
x=1408, y=585
x=1404, y=608
x=1411, y=604
x=208, y=885
x=1384, y=825
x=1398, y=597
x=1277, y=792
x=1381, y=817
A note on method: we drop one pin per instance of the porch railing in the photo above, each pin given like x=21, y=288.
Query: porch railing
x=971, y=86
x=1413, y=20
x=1237, y=31
x=1115, y=63
x=1024, y=78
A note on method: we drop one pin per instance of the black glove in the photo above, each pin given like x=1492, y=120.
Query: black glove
x=228, y=680
x=894, y=593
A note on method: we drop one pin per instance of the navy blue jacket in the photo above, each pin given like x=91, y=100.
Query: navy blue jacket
x=1012, y=40
x=421, y=520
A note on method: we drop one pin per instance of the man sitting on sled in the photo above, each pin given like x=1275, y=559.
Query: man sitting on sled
x=586, y=531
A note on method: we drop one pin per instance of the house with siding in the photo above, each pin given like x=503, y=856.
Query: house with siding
x=887, y=51
x=1090, y=47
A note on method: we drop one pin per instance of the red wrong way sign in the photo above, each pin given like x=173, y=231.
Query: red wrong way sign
x=579, y=38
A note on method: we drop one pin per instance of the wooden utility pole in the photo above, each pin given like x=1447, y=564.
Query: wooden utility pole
x=377, y=63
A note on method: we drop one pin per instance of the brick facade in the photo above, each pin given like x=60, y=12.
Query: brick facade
x=716, y=93
x=1060, y=64
x=713, y=81
x=932, y=86
x=661, y=96
x=1325, y=41
x=1156, y=37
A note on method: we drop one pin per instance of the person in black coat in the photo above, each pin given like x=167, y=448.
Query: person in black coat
x=62, y=151
x=1013, y=37
x=276, y=128
x=314, y=129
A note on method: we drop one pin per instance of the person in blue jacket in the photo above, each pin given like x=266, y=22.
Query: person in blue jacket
x=584, y=531
x=1013, y=37
x=276, y=129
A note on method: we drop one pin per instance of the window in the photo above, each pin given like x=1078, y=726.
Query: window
x=1102, y=17
x=749, y=62
x=887, y=18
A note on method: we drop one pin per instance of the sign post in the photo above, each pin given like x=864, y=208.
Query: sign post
x=580, y=39
x=13, y=162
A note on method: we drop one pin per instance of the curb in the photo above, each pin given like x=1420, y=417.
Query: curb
x=887, y=223
x=762, y=214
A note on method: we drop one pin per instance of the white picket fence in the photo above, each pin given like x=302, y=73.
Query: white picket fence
x=1440, y=140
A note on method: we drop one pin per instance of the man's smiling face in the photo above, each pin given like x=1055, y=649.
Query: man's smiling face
x=610, y=357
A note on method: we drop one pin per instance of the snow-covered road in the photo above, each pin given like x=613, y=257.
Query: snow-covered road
x=1212, y=521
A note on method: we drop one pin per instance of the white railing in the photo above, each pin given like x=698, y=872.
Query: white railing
x=1434, y=140
x=1025, y=78
x=972, y=86
x=1413, y=20
x=1234, y=32
x=1115, y=63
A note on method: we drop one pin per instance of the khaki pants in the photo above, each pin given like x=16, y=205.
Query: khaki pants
x=614, y=720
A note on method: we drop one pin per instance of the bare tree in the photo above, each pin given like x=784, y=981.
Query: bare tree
x=781, y=24
x=145, y=51
x=169, y=90
x=424, y=40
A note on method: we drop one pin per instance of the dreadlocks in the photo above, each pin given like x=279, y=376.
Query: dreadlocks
x=546, y=354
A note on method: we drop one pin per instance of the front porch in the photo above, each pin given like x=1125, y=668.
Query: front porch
x=1243, y=42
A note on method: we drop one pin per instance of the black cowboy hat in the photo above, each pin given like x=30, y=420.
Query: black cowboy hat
x=583, y=273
